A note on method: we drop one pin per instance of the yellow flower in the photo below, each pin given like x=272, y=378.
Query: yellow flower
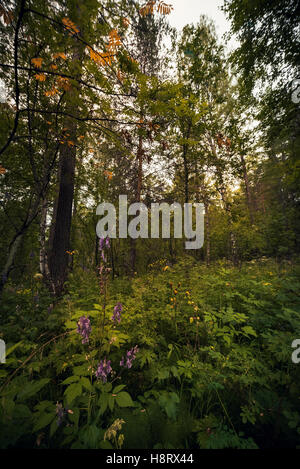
x=266, y=284
x=191, y=320
x=165, y=268
x=38, y=276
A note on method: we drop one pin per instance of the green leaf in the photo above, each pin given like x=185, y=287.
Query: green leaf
x=43, y=421
x=168, y=401
x=53, y=427
x=86, y=384
x=75, y=417
x=12, y=348
x=81, y=370
x=119, y=388
x=111, y=402
x=249, y=330
x=123, y=399
x=71, y=379
x=32, y=388
x=103, y=401
x=105, y=445
x=73, y=391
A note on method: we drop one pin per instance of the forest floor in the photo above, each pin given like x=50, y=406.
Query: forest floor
x=213, y=365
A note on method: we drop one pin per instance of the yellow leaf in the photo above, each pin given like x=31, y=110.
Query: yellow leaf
x=40, y=77
x=108, y=174
x=71, y=27
x=61, y=55
x=37, y=62
x=64, y=83
x=51, y=92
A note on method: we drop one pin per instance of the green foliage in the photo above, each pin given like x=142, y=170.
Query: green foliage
x=213, y=371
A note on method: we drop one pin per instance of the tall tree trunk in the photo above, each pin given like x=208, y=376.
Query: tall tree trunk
x=43, y=252
x=247, y=188
x=58, y=257
x=13, y=248
x=207, y=229
x=137, y=197
x=61, y=229
x=186, y=174
x=232, y=237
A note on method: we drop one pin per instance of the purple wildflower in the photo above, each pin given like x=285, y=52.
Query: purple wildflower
x=101, y=244
x=104, y=243
x=84, y=329
x=103, y=370
x=60, y=412
x=117, y=312
x=130, y=356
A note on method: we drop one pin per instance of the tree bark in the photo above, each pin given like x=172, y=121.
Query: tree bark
x=207, y=227
x=247, y=188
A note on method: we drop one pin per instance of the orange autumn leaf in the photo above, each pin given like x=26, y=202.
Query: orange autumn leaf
x=70, y=143
x=7, y=15
x=63, y=83
x=60, y=55
x=81, y=137
x=164, y=8
x=2, y=170
x=40, y=77
x=101, y=59
x=114, y=40
x=53, y=66
x=51, y=92
x=161, y=7
x=148, y=8
x=48, y=122
x=71, y=27
x=125, y=22
x=120, y=75
x=37, y=62
x=228, y=142
x=108, y=174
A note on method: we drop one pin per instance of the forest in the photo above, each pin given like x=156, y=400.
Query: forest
x=137, y=342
